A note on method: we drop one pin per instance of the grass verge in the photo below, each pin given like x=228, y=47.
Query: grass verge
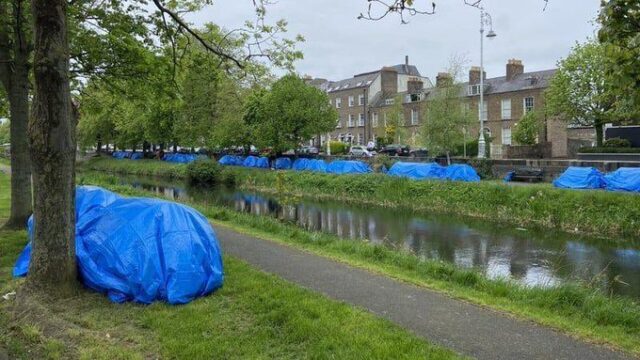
x=597, y=213
x=255, y=315
x=574, y=308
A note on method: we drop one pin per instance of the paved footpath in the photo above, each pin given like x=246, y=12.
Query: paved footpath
x=465, y=328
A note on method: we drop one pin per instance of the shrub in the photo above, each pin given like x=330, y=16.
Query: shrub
x=609, y=150
x=527, y=129
x=617, y=143
x=204, y=172
x=338, y=147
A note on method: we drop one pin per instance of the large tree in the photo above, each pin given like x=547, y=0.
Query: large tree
x=292, y=112
x=15, y=66
x=580, y=90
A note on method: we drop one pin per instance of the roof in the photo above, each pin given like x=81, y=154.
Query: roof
x=365, y=79
x=525, y=81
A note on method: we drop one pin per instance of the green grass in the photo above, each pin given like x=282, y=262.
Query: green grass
x=597, y=213
x=255, y=315
x=574, y=308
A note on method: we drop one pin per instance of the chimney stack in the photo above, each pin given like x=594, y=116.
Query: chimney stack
x=474, y=75
x=443, y=79
x=514, y=68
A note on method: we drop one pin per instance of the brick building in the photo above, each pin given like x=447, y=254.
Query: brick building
x=364, y=102
x=353, y=99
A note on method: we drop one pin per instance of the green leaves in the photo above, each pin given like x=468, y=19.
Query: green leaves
x=527, y=129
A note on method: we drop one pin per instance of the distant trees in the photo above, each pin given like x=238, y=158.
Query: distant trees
x=290, y=113
x=447, y=117
x=581, y=91
x=527, y=130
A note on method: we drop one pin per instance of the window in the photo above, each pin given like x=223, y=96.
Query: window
x=338, y=103
x=359, y=139
x=506, y=136
x=351, y=121
x=527, y=104
x=360, y=119
x=351, y=101
x=414, y=117
x=374, y=120
x=483, y=111
x=506, y=109
x=322, y=139
x=338, y=123
x=414, y=97
x=361, y=100
x=330, y=102
x=389, y=101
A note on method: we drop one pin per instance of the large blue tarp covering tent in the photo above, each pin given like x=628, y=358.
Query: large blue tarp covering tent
x=283, y=163
x=121, y=155
x=580, y=178
x=300, y=164
x=180, y=158
x=623, y=179
x=316, y=165
x=142, y=250
x=348, y=167
x=137, y=156
x=233, y=160
x=250, y=161
x=417, y=171
x=256, y=162
x=461, y=172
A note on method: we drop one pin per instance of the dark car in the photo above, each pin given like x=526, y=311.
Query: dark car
x=419, y=153
x=395, y=150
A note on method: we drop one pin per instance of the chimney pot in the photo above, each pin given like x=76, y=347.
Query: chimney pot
x=514, y=68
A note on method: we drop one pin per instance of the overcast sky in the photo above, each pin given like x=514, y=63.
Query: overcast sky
x=338, y=45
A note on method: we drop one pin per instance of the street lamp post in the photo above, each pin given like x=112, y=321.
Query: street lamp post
x=485, y=19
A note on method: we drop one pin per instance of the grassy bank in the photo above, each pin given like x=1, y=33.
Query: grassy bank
x=597, y=213
x=254, y=315
x=575, y=309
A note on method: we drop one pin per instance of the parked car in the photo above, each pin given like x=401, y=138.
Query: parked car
x=360, y=150
x=396, y=150
x=420, y=152
x=308, y=150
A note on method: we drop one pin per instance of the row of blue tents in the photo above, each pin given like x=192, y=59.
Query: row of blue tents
x=623, y=179
x=416, y=171
x=175, y=158
x=133, y=155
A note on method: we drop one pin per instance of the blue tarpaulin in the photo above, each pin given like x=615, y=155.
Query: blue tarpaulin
x=121, y=155
x=231, y=160
x=580, y=178
x=256, y=162
x=142, y=250
x=180, y=158
x=317, y=166
x=417, y=171
x=300, y=164
x=283, y=163
x=348, y=167
x=623, y=179
x=137, y=156
x=461, y=172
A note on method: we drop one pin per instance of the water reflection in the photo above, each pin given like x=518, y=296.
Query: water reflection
x=533, y=258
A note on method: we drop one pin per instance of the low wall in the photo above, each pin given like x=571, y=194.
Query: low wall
x=537, y=151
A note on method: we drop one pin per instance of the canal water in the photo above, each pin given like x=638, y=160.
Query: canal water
x=539, y=258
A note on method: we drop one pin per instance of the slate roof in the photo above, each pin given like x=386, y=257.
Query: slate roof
x=525, y=81
x=365, y=79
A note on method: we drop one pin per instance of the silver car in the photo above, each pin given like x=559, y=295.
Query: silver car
x=360, y=151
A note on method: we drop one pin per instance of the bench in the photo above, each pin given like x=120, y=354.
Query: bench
x=527, y=174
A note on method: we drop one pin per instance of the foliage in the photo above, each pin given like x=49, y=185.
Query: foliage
x=5, y=132
x=446, y=119
x=338, y=147
x=609, y=150
x=620, y=31
x=617, y=142
x=527, y=129
x=394, y=124
x=579, y=90
x=290, y=113
x=205, y=172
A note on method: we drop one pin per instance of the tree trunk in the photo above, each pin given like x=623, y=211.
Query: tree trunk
x=14, y=74
x=599, y=132
x=53, y=146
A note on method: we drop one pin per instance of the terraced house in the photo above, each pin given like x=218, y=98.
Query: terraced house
x=353, y=99
x=365, y=101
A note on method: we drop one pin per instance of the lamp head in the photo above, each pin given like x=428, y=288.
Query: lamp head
x=491, y=34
